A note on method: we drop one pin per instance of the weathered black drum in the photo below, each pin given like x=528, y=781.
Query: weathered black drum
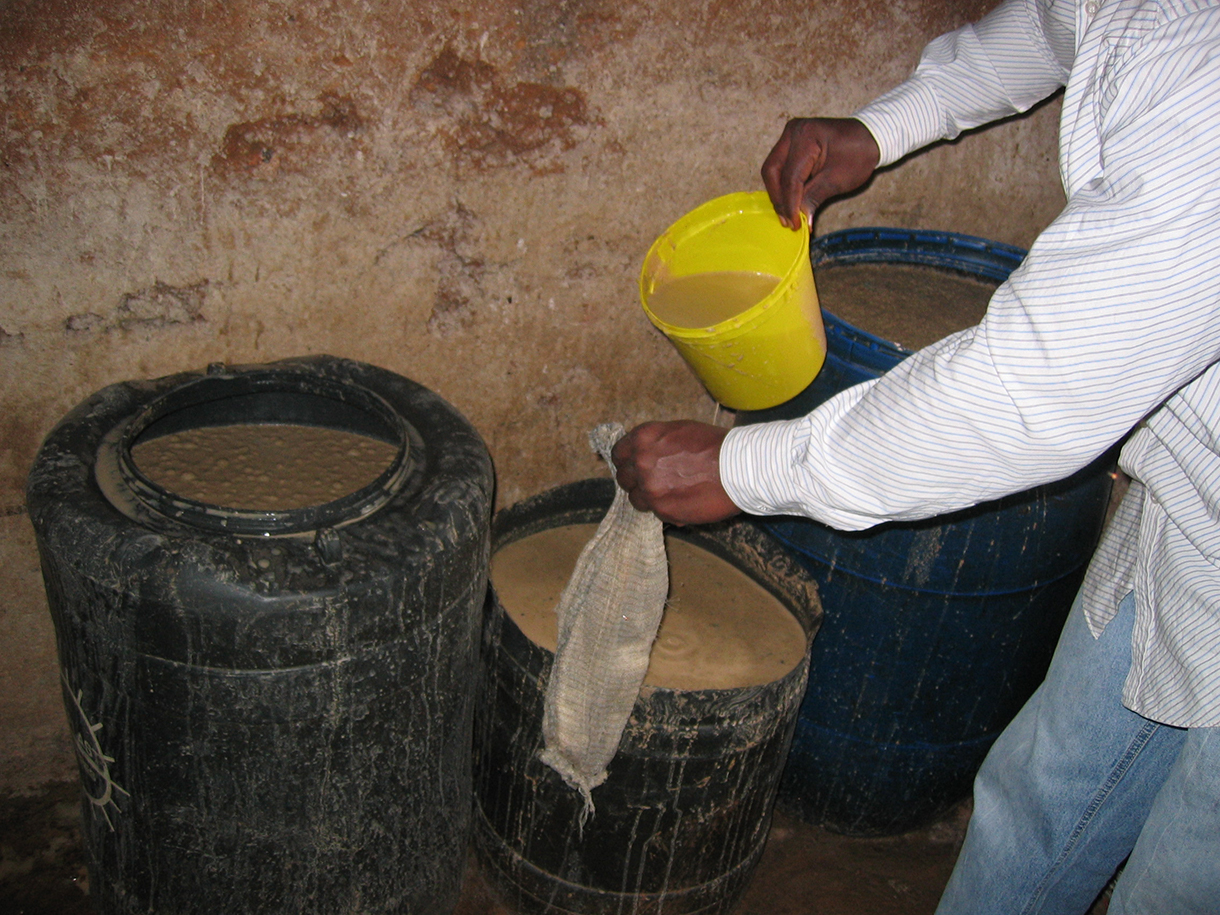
x=683, y=816
x=272, y=709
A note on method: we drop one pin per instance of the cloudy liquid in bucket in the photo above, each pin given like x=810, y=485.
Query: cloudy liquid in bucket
x=263, y=467
x=707, y=299
x=721, y=630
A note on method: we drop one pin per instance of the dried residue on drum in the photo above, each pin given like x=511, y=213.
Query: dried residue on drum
x=911, y=305
x=263, y=466
x=721, y=630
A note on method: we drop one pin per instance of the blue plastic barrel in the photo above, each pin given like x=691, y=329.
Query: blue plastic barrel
x=935, y=632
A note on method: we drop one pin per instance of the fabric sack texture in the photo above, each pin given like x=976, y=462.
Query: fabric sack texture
x=609, y=614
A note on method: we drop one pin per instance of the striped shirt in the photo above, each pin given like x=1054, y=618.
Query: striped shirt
x=1111, y=324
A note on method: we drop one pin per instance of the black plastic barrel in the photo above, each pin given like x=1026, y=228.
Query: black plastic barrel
x=272, y=709
x=682, y=817
x=935, y=632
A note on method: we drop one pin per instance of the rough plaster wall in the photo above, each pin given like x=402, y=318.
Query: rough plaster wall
x=459, y=191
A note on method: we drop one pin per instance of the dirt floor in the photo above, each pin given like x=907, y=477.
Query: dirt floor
x=804, y=870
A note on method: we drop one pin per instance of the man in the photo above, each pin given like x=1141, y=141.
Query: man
x=1111, y=324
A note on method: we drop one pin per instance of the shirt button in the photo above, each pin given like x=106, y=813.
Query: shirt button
x=1092, y=7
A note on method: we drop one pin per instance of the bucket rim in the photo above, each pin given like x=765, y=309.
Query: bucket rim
x=700, y=219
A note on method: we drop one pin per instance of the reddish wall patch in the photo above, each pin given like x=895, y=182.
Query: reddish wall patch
x=494, y=124
x=264, y=147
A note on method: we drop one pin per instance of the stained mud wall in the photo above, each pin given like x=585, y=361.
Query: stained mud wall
x=459, y=191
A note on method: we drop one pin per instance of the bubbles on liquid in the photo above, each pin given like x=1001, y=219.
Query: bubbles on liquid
x=721, y=630
x=263, y=467
x=672, y=645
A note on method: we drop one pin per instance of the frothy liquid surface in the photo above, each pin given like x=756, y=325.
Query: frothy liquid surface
x=721, y=630
x=706, y=299
x=263, y=467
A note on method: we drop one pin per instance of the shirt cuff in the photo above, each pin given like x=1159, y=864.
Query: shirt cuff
x=902, y=120
x=754, y=463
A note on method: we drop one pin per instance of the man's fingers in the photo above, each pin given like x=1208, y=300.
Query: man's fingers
x=671, y=469
x=818, y=191
x=802, y=170
x=771, y=169
x=637, y=500
x=814, y=160
x=626, y=476
x=784, y=178
x=621, y=452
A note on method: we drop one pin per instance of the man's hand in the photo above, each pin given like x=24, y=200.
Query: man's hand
x=816, y=159
x=673, y=470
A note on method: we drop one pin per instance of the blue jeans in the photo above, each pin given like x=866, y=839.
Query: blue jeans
x=1076, y=783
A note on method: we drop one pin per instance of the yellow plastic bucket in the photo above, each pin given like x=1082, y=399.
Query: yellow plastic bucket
x=769, y=352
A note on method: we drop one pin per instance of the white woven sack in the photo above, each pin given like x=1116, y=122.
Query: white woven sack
x=608, y=619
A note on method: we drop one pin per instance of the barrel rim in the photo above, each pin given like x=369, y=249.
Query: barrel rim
x=586, y=501
x=114, y=453
x=969, y=255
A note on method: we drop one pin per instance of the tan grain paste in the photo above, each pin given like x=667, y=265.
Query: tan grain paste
x=263, y=467
x=911, y=305
x=721, y=630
